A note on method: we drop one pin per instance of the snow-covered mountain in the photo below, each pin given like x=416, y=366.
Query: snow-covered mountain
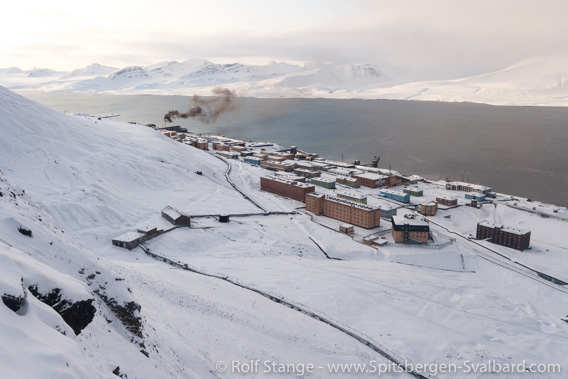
x=536, y=81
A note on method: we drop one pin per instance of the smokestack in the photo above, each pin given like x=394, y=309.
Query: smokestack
x=206, y=110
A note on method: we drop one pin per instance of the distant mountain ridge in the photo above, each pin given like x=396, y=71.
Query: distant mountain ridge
x=535, y=81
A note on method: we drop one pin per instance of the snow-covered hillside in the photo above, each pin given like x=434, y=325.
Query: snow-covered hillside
x=536, y=81
x=282, y=288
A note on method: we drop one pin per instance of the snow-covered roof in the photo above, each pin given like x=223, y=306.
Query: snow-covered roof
x=504, y=228
x=401, y=220
x=347, y=226
x=323, y=180
x=171, y=212
x=353, y=195
x=393, y=192
x=350, y=203
x=128, y=237
x=371, y=176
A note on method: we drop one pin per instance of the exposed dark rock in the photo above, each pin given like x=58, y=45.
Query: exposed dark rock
x=13, y=302
x=116, y=371
x=126, y=313
x=24, y=231
x=77, y=315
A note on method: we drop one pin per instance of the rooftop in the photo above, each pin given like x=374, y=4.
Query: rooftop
x=287, y=181
x=354, y=195
x=504, y=228
x=393, y=192
x=371, y=176
x=351, y=203
x=401, y=220
x=171, y=212
x=128, y=237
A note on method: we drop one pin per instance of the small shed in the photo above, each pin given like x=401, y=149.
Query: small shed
x=129, y=240
x=175, y=217
x=223, y=218
x=346, y=228
x=369, y=239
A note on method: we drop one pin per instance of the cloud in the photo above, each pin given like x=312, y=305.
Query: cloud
x=440, y=37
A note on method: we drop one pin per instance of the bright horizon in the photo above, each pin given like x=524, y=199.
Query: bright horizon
x=441, y=38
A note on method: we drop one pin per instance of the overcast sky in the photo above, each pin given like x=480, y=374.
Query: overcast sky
x=444, y=38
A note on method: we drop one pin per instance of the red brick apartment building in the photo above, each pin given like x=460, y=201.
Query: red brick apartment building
x=510, y=237
x=362, y=215
x=287, y=188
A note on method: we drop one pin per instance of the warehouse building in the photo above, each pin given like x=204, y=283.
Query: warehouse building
x=291, y=189
x=362, y=215
x=498, y=234
x=410, y=229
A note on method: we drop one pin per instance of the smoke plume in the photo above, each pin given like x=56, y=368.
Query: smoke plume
x=206, y=110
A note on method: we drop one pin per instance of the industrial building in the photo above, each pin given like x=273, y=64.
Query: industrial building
x=175, y=217
x=448, y=200
x=410, y=229
x=291, y=189
x=498, y=234
x=362, y=215
x=372, y=180
x=395, y=195
x=467, y=187
x=323, y=182
x=429, y=208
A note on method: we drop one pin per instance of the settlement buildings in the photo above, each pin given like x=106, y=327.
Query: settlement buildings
x=504, y=236
x=358, y=214
x=287, y=188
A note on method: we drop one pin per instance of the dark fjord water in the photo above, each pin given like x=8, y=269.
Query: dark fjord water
x=516, y=150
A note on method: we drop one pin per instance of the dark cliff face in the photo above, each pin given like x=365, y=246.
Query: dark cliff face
x=13, y=302
x=77, y=315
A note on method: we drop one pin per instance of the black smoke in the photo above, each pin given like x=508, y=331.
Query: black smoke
x=206, y=110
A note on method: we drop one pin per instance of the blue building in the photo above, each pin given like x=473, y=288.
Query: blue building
x=475, y=196
x=253, y=160
x=395, y=195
